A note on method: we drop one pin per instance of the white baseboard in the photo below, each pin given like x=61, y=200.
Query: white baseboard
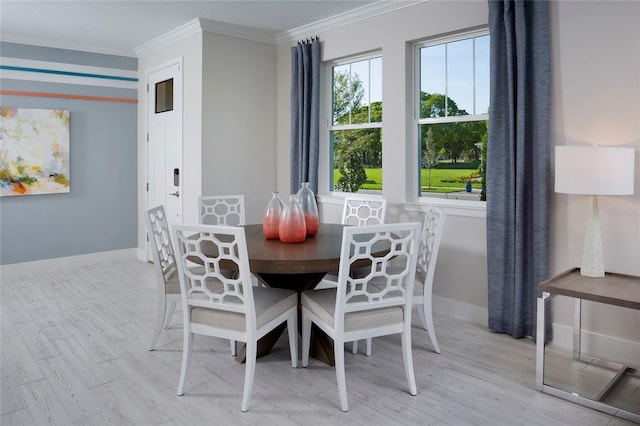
x=598, y=345
x=594, y=344
x=63, y=262
x=141, y=254
x=449, y=307
x=461, y=310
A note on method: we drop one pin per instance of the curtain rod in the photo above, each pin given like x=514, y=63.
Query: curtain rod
x=308, y=40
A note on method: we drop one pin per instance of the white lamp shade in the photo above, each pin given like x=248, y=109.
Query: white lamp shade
x=594, y=170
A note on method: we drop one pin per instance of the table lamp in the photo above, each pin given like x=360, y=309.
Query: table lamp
x=593, y=171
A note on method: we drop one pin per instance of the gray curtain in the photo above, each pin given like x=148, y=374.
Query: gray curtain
x=305, y=109
x=518, y=163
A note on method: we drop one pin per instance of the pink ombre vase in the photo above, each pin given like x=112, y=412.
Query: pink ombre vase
x=307, y=200
x=292, y=224
x=272, y=214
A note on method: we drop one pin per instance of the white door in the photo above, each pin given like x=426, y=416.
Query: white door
x=164, y=140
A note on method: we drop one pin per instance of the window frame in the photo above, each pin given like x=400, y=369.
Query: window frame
x=418, y=196
x=329, y=112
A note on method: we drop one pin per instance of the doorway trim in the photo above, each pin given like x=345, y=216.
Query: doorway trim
x=147, y=108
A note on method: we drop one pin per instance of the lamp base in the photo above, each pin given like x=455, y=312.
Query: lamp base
x=592, y=257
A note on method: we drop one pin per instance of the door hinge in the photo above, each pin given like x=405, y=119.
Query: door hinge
x=147, y=137
x=147, y=87
x=147, y=186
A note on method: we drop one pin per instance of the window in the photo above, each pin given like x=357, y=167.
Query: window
x=453, y=105
x=164, y=96
x=355, y=131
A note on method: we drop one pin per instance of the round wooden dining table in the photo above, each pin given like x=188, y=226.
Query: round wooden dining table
x=298, y=266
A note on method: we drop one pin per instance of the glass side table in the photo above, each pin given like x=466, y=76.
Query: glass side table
x=596, y=383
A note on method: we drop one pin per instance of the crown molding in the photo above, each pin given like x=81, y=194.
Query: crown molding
x=369, y=11
x=248, y=33
x=183, y=31
x=204, y=25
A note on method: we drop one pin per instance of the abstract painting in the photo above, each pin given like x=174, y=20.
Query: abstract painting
x=34, y=151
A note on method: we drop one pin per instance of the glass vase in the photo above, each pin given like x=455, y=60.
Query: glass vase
x=272, y=214
x=307, y=200
x=292, y=225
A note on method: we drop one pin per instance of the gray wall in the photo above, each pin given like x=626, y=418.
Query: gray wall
x=99, y=213
x=239, y=120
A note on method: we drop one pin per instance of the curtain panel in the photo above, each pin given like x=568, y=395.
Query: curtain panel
x=518, y=163
x=305, y=114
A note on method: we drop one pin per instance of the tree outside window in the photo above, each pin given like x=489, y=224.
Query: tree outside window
x=453, y=116
x=356, y=126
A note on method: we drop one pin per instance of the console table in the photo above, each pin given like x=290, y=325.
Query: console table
x=613, y=289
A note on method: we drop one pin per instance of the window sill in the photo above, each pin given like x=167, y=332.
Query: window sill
x=462, y=208
x=338, y=197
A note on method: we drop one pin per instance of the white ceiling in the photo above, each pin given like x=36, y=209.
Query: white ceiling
x=119, y=27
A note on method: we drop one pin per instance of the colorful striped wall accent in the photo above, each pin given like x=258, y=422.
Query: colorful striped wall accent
x=56, y=72
x=68, y=96
x=64, y=73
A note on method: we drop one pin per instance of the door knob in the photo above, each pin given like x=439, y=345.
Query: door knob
x=175, y=194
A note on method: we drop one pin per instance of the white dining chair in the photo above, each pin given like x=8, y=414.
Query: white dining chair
x=430, y=238
x=354, y=309
x=364, y=210
x=432, y=231
x=215, y=304
x=166, y=270
x=360, y=210
x=221, y=210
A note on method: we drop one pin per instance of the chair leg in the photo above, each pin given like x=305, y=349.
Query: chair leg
x=306, y=338
x=170, y=311
x=256, y=282
x=354, y=347
x=292, y=331
x=249, y=371
x=408, y=361
x=338, y=351
x=421, y=315
x=187, y=347
x=160, y=318
x=426, y=315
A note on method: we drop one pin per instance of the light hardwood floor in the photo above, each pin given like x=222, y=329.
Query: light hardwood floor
x=75, y=351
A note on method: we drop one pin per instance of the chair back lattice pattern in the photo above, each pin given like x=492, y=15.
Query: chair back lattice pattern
x=361, y=211
x=160, y=236
x=222, y=210
x=379, y=283
x=215, y=248
x=432, y=230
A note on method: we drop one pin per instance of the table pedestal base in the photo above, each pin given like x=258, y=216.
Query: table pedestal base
x=321, y=345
